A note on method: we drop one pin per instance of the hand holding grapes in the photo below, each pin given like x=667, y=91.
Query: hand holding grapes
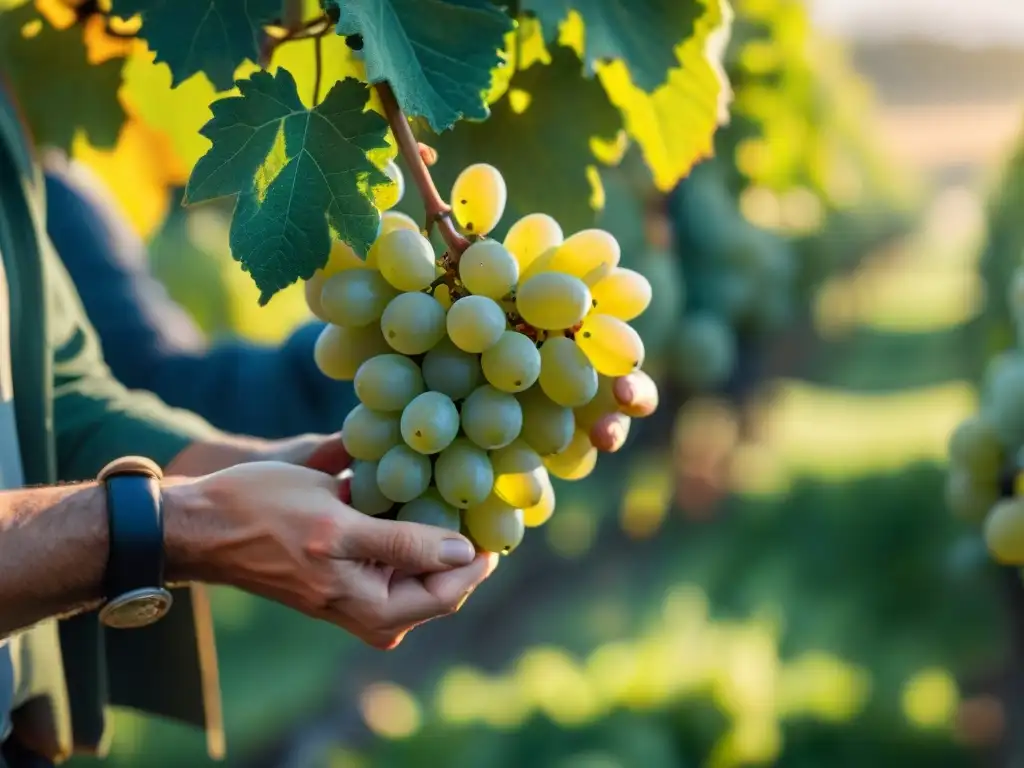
x=635, y=396
x=282, y=532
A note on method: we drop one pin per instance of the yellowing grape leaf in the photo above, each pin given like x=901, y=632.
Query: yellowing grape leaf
x=77, y=95
x=181, y=112
x=299, y=174
x=437, y=56
x=210, y=36
x=640, y=34
x=675, y=125
x=140, y=171
x=538, y=136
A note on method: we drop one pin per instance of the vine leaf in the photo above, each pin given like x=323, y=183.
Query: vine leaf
x=299, y=173
x=643, y=34
x=675, y=125
x=79, y=96
x=210, y=36
x=544, y=149
x=437, y=56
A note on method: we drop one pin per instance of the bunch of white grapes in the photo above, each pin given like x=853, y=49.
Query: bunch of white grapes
x=480, y=376
x=985, y=480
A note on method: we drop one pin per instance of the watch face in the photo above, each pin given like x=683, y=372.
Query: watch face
x=138, y=608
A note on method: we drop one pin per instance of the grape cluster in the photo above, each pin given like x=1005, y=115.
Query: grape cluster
x=478, y=376
x=985, y=482
x=739, y=281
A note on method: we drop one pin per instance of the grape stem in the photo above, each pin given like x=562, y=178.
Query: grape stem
x=438, y=211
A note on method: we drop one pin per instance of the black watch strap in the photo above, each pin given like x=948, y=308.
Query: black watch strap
x=134, y=580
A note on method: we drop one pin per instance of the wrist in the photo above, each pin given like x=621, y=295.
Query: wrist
x=188, y=514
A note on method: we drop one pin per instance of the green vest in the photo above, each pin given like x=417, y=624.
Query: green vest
x=73, y=418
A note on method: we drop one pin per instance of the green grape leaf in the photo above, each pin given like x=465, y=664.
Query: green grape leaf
x=642, y=33
x=299, y=173
x=437, y=56
x=210, y=36
x=544, y=150
x=77, y=96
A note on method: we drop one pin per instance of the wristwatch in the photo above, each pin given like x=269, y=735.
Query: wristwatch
x=134, y=581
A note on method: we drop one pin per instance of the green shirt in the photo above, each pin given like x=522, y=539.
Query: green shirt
x=72, y=419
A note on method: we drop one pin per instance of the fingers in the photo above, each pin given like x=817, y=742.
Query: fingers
x=637, y=394
x=414, y=600
x=609, y=433
x=407, y=547
x=329, y=456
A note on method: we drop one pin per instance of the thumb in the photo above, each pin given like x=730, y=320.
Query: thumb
x=409, y=547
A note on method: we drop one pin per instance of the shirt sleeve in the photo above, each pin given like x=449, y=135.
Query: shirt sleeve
x=151, y=343
x=96, y=419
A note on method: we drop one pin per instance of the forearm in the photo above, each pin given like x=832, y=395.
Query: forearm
x=54, y=548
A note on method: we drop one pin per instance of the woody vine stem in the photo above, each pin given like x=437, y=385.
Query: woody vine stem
x=438, y=212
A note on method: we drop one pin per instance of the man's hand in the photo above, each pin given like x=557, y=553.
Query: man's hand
x=280, y=531
x=637, y=397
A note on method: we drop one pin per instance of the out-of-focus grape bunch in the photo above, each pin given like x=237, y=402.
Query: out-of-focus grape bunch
x=725, y=285
x=985, y=483
x=479, y=376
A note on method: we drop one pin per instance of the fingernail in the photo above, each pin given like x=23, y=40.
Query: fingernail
x=457, y=552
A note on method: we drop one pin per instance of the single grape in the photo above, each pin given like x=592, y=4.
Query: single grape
x=475, y=323
x=623, y=293
x=538, y=265
x=388, y=382
x=491, y=418
x=585, y=251
x=430, y=423
x=494, y=525
x=553, y=301
x=974, y=445
x=386, y=197
x=540, y=513
x=478, y=198
x=612, y=346
x=1004, y=532
x=1005, y=382
x=413, y=323
x=529, y=237
x=576, y=461
x=431, y=509
x=366, y=496
x=355, y=298
x=547, y=426
x=443, y=294
x=341, y=258
x=405, y=259
x=519, y=474
x=339, y=352
x=389, y=222
x=463, y=474
x=369, y=434
x=448, y=369
x=1015, y=294
x=703, y=352
x=566, y=375
x=966, y=498
x=487, y=268
x=512, y=364
x=602, y=404
x=403, y=474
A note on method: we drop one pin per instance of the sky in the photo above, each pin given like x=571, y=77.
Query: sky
x=964, y=22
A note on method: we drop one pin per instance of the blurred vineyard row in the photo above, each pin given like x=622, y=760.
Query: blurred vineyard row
x=766, y=575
